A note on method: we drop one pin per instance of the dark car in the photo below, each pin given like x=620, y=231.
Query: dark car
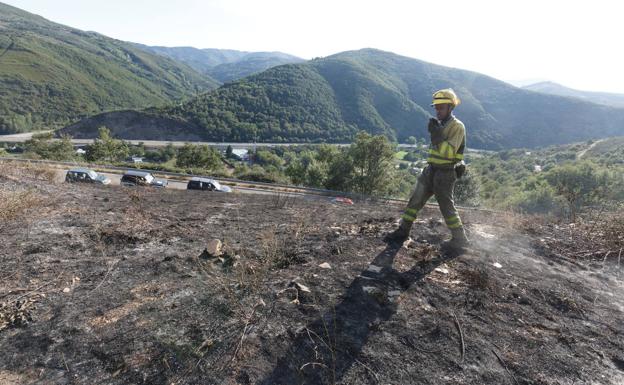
x=86, y=176
x=141, y=178
x=206, y=184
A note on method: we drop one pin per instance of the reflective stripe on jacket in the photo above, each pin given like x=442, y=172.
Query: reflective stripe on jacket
x=451, y=150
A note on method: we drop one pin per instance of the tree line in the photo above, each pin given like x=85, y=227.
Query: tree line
x=551, y=181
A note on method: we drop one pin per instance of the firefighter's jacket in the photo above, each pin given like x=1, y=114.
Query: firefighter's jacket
x=451, y=150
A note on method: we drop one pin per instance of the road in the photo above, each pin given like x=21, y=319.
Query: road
x=181, y=185
x=582, y=153
x=279, y=190
x=20, y=138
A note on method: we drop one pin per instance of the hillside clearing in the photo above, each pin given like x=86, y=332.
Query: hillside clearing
x=115, y=286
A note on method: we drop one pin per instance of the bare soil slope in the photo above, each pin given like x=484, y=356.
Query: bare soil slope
x=114, y=286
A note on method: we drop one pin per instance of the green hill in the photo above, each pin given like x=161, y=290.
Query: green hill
x=608, y=99
x=51, y=74
x=223, y=64
x=330, y=99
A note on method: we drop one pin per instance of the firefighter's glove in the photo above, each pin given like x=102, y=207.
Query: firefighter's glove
x=434, y=124
x=435, y=129
x=460, y=169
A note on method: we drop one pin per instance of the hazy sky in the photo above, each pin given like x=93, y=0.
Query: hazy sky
x=575, y=43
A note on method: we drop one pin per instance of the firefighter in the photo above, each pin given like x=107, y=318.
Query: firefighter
x=445, y=165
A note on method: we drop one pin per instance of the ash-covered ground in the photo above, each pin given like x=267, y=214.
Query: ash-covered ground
x=112, y=285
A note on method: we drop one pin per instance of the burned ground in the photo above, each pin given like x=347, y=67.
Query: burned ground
x=114, y=285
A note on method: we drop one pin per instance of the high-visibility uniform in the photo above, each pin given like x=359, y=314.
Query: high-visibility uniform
x=439, y=177
x=451, y=150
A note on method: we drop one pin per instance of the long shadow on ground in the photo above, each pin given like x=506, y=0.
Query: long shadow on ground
x=325, y=350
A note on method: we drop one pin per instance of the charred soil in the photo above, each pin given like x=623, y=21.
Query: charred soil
x=112, y=285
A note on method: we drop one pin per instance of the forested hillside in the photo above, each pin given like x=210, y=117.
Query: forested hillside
x=331, y=99
x=51, y=74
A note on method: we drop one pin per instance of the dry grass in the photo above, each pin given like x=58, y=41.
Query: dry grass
x=20, y=204
x=16, y=171
x=13, y=378
x=282, y=200
x=477, y=278
x=282, y=246
x=511, y=219
x=245, y=295
x=15, y=313
x=135, y=225
x=15, y=203
x=594, y=239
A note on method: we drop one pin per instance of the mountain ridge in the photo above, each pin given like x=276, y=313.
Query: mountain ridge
x=224, y=64
x=606, y=98
x=330, y=99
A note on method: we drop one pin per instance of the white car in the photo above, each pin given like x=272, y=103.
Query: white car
x=206, y=184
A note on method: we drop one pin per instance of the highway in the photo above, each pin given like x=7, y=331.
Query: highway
x=178, y=181
x=180, y=184
x=20, y=138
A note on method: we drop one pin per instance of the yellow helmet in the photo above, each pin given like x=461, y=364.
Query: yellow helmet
x=445, y=96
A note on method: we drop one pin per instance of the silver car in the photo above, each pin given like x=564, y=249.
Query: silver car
x=142, y=178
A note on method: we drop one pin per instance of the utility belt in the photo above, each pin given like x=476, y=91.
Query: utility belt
x=459, y=167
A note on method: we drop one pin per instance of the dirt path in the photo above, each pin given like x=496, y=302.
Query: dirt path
x=582, y=153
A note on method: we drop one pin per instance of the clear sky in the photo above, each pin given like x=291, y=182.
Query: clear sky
x=575, y=43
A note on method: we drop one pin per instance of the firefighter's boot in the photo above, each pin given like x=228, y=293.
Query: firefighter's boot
x=459, y=239
x=400, y=234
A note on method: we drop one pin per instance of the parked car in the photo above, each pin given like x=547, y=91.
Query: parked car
x=206, y=184
x=85, y=175
x=141, y=178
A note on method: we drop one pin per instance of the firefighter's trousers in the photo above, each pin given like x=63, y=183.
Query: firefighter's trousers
x=439, y=182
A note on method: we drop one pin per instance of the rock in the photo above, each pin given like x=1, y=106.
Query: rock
x=206, y=345
x=212, y=250
x=302, y=288
x=325, y=265
x=497, y=265
x=66, y=290
x=300, y=292
x=524, y=300
x=214, y=247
